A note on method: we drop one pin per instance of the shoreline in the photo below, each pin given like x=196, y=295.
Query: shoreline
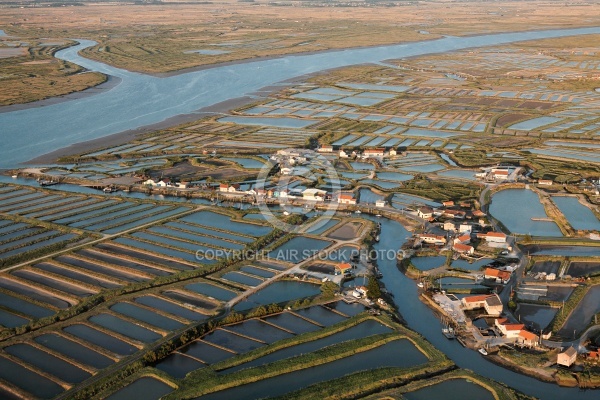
x=279, y=56
x=108, y=84
x=130, y=135
x=431, y=37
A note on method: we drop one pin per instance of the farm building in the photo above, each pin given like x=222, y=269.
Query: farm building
x=567, y=357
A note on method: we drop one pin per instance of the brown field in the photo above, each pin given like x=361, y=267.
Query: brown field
x=509, y=119
x=153, y=38
x=159, y=38
x=32, y=73
x=12, y=52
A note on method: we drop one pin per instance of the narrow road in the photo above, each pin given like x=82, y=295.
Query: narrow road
x=295, y=269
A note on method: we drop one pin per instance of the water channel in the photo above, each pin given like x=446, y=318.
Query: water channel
x=420, y=318
x=139, y=100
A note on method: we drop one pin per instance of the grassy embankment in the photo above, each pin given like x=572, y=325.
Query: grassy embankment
x=498, y=390
x=37, y=75
x=206, y=380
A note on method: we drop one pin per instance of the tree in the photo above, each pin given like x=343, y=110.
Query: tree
x=328, y=289
x=373, y=291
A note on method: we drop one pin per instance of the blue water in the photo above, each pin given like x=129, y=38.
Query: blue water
x=420, y=318
x=578, y=215
x=535, y=123
x=518, y=218
x=139, y=100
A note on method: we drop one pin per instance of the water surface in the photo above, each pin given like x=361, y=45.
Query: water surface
x=406, y=355
x=146, y=388
x=578, y=215
x=452, y=389
x=519, y=219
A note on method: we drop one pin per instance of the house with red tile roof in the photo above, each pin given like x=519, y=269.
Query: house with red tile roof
x=463, y=248
x=346, y=198
x=342, y=268
x=491, y=303
x=507, y=328
x=497, y=275
x=527, y=339
x=464, y=239
x=495, y=237
x=437, y=240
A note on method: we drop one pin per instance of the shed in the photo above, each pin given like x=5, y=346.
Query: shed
x=567, y=357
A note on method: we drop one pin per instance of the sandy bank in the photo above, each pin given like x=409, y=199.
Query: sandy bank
x=110, y=83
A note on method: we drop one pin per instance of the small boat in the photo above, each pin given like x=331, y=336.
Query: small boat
x=448, y=332
x=483, y=351
x=14, y=176
x=357, y=212
x=378, y=215
x=47, y=183
x=377, y=238
x=109, y=189
x=286, y=213
x=420, y=285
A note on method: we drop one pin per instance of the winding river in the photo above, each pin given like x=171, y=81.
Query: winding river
x=141, y=100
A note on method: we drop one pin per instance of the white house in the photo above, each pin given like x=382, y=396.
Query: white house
x=326, y=148
x=497, y=275
x=287, y=171
x=164, y=182
x=433, y=239
x=346, y=198
x=491, y=303
x=343, y=154
x=567, y=357
x=149, y=182
x=380, y=203
x=507, y=328
x=493, y=237
x=449, y=226
x=465, y=228
x=501, y=175
x=425, y=212
x=464, y=239
x=313, y=194
x=463, y=248
x=378, y=152
x=527, y=338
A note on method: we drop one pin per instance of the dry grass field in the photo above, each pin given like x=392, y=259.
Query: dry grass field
x=154, y=38
x=162, y=38
x=29, y=72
